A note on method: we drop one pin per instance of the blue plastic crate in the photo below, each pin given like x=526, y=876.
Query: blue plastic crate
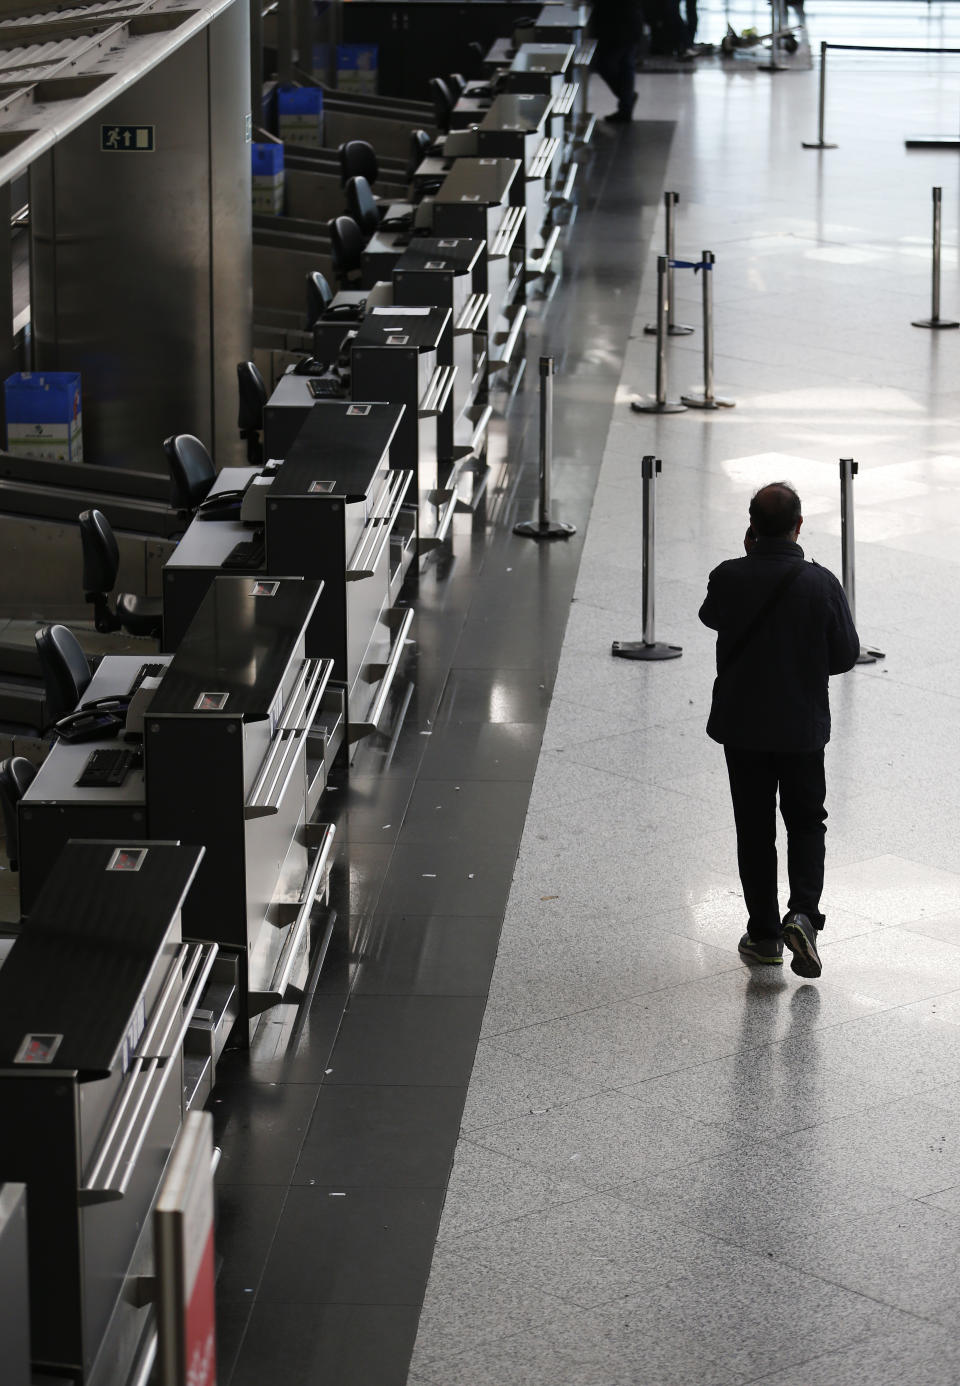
x=267, y=160
x=43, y=413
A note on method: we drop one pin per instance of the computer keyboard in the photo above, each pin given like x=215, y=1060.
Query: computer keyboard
x=249, y=553
x=146, y=671
x=107, y=767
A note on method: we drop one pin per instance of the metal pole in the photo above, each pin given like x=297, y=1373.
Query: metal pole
x=546, y=436
x=660, y=404
x=935, y=319
x=820, y=142
x=543, y=527
x=674, y=329
x=647, y=648
x=707, y=400
x=848, y=470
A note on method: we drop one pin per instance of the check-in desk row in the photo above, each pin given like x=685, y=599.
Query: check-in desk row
x=96, y=997
x=237, y=741
x=333, y=511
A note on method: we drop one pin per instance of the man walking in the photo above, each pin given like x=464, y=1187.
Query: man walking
x=783, y=627
x=617, y=27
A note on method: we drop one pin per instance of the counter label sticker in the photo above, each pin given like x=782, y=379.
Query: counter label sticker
x=127, y=859
x=128, y=139
x=321, y=488
x=259, y=589
x=489, y=162
x=435, y=264
x=397, y=339
x=216, y=702
x=447, y=244
x=470, y=197
x=37, y=1049
x=358, y=411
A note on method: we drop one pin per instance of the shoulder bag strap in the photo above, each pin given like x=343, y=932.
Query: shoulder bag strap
x=738, y=647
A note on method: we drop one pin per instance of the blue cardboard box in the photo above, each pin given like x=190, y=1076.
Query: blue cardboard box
x=268, y=178
x=44, y=417
x=357, y=67
x=300, y=115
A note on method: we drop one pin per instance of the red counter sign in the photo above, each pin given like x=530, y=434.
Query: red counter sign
x=183, y=1245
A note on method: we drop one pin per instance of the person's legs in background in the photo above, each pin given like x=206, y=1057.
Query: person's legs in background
x=802, y=793
x=753, y=790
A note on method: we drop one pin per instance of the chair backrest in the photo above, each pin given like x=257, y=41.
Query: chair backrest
x=456, y=82
x=319, y=296
x=442, y=98
x=357, y=157
x=191, y=469
x=66, y=670
x=16, y=776
x=361, y=205
x=346, y=246
x=419, y=144
x=253, y=396
x=475, y=55
x=101, y=553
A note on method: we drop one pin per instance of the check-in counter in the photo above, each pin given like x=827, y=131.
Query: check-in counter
x=396, y=356
x=517, y=126
x=95, y=1000
x=548, y=69
x=483, y=199
x=384, y=248
x=237, y=746
x=14, y=1300
x=446, y=271
x=561, y=23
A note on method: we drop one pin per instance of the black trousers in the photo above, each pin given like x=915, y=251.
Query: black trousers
x=755, y=778
x=616, y=64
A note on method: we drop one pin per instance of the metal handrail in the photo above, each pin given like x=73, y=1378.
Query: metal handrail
x=398, y=492
x=371, y=723
x=285, y=962
x=473, y=311
x=438, y=391
x=507, y=233
x=381, y=510
x=543, y=157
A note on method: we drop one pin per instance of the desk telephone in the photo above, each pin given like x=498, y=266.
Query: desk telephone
x=104, y=717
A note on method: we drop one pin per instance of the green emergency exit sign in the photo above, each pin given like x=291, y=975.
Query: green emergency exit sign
x=128, y=139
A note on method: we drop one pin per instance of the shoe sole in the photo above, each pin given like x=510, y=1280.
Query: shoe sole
x=755, y=958
x=805, y=961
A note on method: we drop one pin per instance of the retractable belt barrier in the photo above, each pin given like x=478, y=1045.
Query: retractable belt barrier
x=914, y=142
x=659, y=403
x=648, y=648
x=935, y=320
x=848, y=470
x=543, y=527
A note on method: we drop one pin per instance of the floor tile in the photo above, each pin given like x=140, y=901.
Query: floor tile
x=432, y=1040
x=432, y=955
x=308, y=1345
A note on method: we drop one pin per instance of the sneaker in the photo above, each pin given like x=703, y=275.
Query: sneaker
x=761, y=950
x=801, y=938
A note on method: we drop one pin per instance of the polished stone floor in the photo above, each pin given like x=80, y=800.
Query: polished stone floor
x=673, y=1170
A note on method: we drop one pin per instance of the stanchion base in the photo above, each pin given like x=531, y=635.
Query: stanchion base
x=935, y=322
x=868, y=655
x=640, y=649
x=932, y=142
x=817, y=144
x=648, y=404
x=551, y=529
x=676, y=329
x=700, y=401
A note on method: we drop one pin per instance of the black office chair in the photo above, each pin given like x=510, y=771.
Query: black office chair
x=319, y=296
x=346, y=246
x=456, y=83
x=420, y=143
x=443, y=103
x=475, y=64
x=101, y=560
x=357, y=157
x=253, y=396
x=66, y=671
x=191, y=470
x=361, y=205
x=16, y=776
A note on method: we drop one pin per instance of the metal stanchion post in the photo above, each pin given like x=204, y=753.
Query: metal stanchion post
x=848, y=470
x=543, y=527
x=659, y=404
x=820, y=142
x=647, y=648
x=707, y=400
x=674, y=329
x=935, y=320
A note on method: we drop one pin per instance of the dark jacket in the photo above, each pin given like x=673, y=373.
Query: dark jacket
x=617, y=22
x=773, y=696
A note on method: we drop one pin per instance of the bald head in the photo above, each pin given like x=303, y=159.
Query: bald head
x=775, y=512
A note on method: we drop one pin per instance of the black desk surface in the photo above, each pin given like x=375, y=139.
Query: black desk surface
x=449, y=254
x=418, y=329
x=239, y=643
x=520, y=111
x=87, y=951
x=486, y=181
x=341, y=444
